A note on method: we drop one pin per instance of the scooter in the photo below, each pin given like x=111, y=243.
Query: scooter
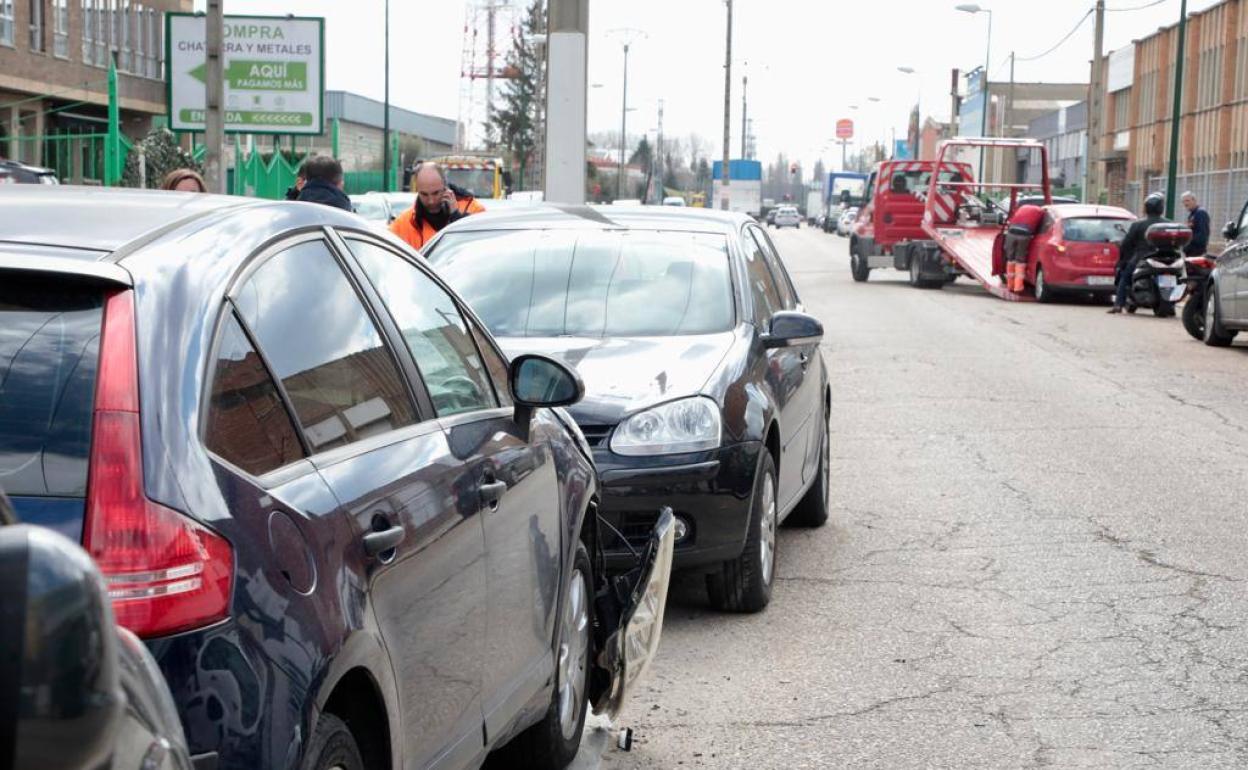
x=1158, y=280
x=1198, y=270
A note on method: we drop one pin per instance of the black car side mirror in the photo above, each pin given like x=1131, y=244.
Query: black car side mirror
x=537, y=382
x=1231, y=231
x=57, y=632
x=789, y=328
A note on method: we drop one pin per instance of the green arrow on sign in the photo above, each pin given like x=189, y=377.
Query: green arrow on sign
x=246, y=75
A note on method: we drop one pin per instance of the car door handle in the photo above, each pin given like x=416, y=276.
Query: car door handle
x=386, y=540
x=805, y=359
x=492, y=492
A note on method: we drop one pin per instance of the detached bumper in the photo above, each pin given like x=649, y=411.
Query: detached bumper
x=709, y=492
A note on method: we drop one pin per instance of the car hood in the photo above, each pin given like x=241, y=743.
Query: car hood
x=625, y=374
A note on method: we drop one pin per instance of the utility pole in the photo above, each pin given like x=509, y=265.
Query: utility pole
x=385, y=120
x=1176, y=117
x=745, y=134
x=1096, y=112
x=659, y=156
x=567, y=80
x=844, y=143
x=214, y=118
x=619, y=177
x=723, y=201
x=1009, y=102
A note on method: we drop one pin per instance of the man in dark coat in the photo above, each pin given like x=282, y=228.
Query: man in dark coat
x=323, y=175
x=1198, y=221
x=1135, y=247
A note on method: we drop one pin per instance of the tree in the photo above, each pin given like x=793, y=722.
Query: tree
x=516, y=120
x=161, y=154
x=643, y=155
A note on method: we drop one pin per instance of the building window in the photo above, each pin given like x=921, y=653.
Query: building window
x=60, y=28
x=36, y=25
x=86, y=31
x=101, y=32
x=6, y=22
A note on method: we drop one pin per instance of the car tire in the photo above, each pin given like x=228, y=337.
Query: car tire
x=922, y=283
x=858, y=264
x=1043, y=293
x=1194, y=318
x=332, y=746
x=812, y=510
x=553, y=742
x=1215, y=335
x=744, y=583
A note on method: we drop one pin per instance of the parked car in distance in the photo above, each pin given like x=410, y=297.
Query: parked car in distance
x=787, y=216
x=845, y=224
x=351, y=532
x=1226, y=297
x=674, y=200
x=1075, y=250
x=705, y=387
x=16, y=172
x=84, y=693
x=1038, y=200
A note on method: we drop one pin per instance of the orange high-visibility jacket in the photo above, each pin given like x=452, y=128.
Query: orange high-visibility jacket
x=404, y=224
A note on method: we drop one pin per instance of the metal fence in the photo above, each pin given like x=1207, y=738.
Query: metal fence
x=1222, y=193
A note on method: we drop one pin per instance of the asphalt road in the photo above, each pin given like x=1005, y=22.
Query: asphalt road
x=1037, y=555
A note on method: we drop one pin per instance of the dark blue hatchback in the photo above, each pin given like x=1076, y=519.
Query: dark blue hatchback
x=351, y=532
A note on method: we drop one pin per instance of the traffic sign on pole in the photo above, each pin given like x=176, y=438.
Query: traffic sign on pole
x=844, y=129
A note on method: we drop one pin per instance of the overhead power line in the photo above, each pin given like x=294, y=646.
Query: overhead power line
x=1135, y=7
x=1059, y=43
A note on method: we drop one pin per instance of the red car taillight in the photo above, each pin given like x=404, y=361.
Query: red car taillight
x=165, y=573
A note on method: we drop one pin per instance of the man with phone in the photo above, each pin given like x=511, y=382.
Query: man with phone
x=436, y=207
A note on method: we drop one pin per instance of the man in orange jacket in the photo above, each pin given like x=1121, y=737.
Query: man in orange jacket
x=436, y=207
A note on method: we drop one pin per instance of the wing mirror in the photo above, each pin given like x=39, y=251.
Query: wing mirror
x=56, y=630
x=538, y=381
x=790, y=328
x=1231, y=231
x=844, y=196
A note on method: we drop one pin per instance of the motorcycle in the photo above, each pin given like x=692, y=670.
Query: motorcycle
x=1198, y=270
x=1158, y=280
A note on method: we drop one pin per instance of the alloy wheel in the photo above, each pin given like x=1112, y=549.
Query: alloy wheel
x=573, y=655
x=767, y=530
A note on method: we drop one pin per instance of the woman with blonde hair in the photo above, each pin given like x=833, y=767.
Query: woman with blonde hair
x=184, y=180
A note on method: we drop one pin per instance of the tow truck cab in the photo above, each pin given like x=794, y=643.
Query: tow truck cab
x=893, y=213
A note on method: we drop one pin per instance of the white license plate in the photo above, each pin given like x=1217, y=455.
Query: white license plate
x=1167, y=281
x=1100, y=280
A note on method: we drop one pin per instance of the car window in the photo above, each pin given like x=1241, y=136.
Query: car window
x=370, y=208
x=1095, y=229
x=763, y=291
x=248, y=424
x=494, y=363
x=49, y=347
x=313, y=329
x=435, y=332
x=787, y=296
x=591, y=283
x=1243, y=225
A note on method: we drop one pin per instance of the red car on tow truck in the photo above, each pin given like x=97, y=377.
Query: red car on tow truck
x=1075, y=250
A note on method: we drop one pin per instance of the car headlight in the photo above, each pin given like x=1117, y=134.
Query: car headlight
x=688, y=425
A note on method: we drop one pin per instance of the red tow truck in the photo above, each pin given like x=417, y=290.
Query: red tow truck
x=934, y=221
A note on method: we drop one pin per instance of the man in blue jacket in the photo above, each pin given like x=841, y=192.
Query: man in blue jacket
x=1198, y=220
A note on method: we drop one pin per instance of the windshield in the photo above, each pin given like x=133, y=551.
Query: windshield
x=370, y=208
x=855, y=187
x=478, y=181
x=609, y=283
x=1095, y=229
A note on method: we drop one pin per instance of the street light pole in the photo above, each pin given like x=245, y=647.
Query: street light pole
x=723, y=204
x=972, y=8
x=385, y=120
x=619, y=177
x=745, y=82
x=1176, y=115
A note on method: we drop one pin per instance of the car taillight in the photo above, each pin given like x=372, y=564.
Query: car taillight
x=165, y=572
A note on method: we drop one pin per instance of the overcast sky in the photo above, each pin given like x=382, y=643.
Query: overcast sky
x=808, y=60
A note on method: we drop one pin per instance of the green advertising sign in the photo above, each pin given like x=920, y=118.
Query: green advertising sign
x=272, y=67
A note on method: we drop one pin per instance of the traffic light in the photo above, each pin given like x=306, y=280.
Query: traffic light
x=792, y=169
